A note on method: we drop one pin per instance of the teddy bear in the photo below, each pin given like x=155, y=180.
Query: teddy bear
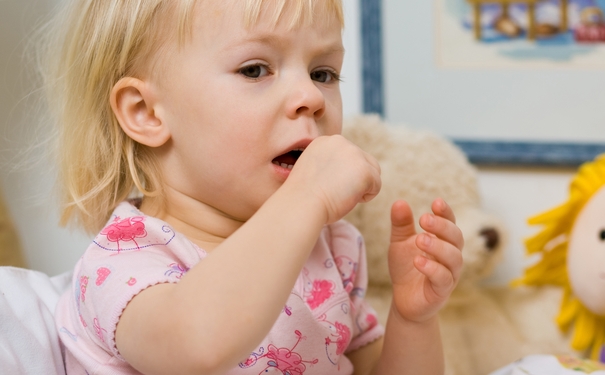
x=477, y=331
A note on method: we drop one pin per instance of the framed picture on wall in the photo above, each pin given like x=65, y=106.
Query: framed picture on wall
x=517, y=82
x=521, y=33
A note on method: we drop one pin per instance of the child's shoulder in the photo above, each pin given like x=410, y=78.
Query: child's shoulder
x=129, y=233
x=127, y=209
x=130, y=229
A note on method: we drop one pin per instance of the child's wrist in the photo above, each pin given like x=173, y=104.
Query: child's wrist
x=394, y=314
x=305, y=199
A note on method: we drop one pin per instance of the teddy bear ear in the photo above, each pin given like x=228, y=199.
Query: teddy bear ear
x=492, y=237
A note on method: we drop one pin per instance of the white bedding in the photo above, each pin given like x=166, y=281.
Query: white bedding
x=552, y=365
x=29, y=343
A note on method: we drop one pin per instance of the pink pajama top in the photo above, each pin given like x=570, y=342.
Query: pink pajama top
x=324, y=318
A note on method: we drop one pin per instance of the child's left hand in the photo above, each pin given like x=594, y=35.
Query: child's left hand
x=424, y=267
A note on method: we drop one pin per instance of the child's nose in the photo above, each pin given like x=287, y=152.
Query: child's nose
x=306, y=99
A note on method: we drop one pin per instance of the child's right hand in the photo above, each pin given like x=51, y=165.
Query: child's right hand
x=338, y=173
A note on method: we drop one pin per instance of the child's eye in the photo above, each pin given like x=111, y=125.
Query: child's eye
x=254, y=71
x=325, y=76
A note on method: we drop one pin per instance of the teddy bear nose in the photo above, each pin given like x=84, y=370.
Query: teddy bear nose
x=492, y=238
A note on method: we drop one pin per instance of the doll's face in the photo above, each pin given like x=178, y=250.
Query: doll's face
x=586, y=254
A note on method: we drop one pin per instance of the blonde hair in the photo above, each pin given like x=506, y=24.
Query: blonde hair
x=88, y=47
x=552, y=244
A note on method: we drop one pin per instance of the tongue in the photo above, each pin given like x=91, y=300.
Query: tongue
x=285, y=159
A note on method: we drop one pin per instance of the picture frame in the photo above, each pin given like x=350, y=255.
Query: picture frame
x=518, y=152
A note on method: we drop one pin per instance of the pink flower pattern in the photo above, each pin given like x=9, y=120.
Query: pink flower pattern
x=343, y=337
x=371, y=320
x=102, y=275
x=280, y=360
x=125, y=230
x=322, y=290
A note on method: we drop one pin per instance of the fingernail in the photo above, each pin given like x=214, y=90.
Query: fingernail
x=441, y=204
x=430, y=220
x=422, y=261
x=426, y=240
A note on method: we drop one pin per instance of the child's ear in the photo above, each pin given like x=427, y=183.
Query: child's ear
x=132, y=103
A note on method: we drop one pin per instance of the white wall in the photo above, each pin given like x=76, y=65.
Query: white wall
x=351, y=70
x=27, y=179
x=514, y=194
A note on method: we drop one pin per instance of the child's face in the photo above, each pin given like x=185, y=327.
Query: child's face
x=235, y=99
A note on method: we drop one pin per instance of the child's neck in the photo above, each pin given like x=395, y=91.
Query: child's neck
x=202, y=224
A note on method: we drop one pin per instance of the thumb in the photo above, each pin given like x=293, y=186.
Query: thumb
x=402, y=221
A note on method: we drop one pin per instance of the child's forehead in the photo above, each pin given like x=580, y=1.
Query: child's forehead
x=288, y=13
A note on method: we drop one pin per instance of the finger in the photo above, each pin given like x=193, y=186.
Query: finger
x=441, y=279
x=373, y=162
x=441, y=208
x=441, y=252
x=374, y=187
x=442, y=228
x=402, y=221
x=375, y=172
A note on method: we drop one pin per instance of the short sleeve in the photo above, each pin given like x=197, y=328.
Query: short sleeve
x=348, y=248
x=132, y=253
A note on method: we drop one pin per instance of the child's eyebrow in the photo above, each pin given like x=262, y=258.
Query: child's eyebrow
x=277, y=41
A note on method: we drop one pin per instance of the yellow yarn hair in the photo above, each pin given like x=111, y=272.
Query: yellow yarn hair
x=551, y=243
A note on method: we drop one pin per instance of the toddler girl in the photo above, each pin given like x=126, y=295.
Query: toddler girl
x=225, y=116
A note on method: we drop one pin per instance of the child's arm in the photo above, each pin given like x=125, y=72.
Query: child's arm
x=226, y=304
x=424, y=270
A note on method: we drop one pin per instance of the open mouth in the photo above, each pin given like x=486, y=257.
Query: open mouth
x=288, y=159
